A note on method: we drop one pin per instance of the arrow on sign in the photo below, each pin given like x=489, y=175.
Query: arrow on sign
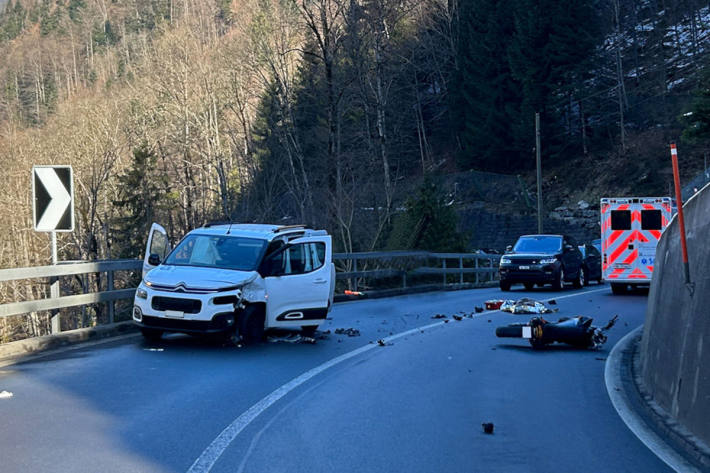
x=51, y=210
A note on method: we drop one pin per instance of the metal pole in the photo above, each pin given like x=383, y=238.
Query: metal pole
x=681, y=220
x=539, y=172
x=54, y=288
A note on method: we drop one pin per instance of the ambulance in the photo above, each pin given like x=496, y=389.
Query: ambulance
x=630, y=230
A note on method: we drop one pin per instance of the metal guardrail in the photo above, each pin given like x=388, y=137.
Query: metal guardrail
x=485, y=272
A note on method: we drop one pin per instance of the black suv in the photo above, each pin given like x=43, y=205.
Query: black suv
x=542, y=259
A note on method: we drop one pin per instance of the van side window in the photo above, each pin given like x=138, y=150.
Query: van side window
x=302, y=258
x=621, y=220
x=651, y=220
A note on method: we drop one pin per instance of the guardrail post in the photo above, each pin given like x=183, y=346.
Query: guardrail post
x=443, y=265
x=109, y=287
x=353, y=281
x=54, y=293
x=404, y=280
x=460, y=269
x=476, y=267
x=491, y=271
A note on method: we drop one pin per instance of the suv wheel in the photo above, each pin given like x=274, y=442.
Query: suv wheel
x=581, y=279
x=559, y=283
x=251, y=324
x=504, y=286
x=529, y=286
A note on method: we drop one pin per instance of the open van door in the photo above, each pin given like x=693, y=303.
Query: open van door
x=299, y=281
x=156, y=249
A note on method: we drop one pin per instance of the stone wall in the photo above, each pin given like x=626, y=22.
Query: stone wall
x=488, y=229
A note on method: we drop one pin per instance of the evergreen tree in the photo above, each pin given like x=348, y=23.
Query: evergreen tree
x=698, y=121
x=484, y=95
x=141, y=196
x=429, y=223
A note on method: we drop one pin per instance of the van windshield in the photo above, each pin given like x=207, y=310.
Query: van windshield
x=538, y=244
x=218, y=251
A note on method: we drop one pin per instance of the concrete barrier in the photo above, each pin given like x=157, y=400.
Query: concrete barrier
x=675, y=348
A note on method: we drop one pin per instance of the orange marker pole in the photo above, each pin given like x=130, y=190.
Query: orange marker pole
x=679, y=203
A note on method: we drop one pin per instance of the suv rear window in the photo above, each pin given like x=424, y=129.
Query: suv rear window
x=651, y=220
x=621, y=220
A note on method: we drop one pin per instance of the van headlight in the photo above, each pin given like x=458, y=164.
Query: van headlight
x=548, y=260
x=141, y=293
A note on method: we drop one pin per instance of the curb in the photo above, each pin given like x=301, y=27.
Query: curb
x=655, y=431
x=12, y=350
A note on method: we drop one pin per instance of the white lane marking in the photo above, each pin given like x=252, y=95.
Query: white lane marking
x=214, y=450
x=613, y=381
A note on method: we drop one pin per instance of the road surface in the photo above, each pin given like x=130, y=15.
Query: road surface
x=414, y=405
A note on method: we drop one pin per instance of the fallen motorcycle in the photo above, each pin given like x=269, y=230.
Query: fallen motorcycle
x=576, y=331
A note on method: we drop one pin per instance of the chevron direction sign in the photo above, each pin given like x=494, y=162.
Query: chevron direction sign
x=53, y=198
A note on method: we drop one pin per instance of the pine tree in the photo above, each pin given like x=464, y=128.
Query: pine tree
x=142, y=195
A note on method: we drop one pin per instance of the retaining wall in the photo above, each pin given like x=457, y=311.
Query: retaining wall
x=675, y=349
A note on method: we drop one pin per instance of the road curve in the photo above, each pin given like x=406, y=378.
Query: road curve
x=416, y=404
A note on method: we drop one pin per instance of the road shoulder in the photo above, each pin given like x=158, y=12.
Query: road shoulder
x=666, y=439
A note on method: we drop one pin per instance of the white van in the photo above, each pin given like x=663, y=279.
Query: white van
x=235, y=279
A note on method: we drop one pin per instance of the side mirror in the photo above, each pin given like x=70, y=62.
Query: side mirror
x=154, y=259
x=569, y=247
x=509, y=248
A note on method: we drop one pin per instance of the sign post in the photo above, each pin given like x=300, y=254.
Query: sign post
x=53, y=211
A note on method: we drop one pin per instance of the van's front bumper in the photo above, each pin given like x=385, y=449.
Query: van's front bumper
x=186, y=313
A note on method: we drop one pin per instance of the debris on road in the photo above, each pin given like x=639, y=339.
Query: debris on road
x=5, y=395
x=350, y=332
x=487, y=427
x=438, y=316
x=381, y=343
x=525, y=306
x=291, y=338
x=446, y=321
x=552, y=302
x=478, y=309
x=154, y=349
x=494, y=304
x=457, y=317
x=348, y=292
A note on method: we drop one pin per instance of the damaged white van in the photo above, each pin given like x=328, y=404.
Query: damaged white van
x=235, y=279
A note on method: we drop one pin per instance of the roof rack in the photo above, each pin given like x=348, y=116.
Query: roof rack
x=217, y=223
x=283, y=228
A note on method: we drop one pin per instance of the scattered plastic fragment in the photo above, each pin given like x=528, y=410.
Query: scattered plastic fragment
x=438, y=316
x=494, y=304
x=525, y=306
x=478, y=309
x=552, y=302
x=457, y=317
x=381, y=343
x=350, y=332
x=348, y=292
x=5, y=394
x=446, y=321
x=487, y=428
x=309, y=340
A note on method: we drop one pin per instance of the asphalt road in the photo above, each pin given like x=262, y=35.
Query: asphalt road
x=416, y=404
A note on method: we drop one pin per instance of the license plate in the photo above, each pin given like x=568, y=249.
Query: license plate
x=527, y=332
x=524, y=267
x=174, y=313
